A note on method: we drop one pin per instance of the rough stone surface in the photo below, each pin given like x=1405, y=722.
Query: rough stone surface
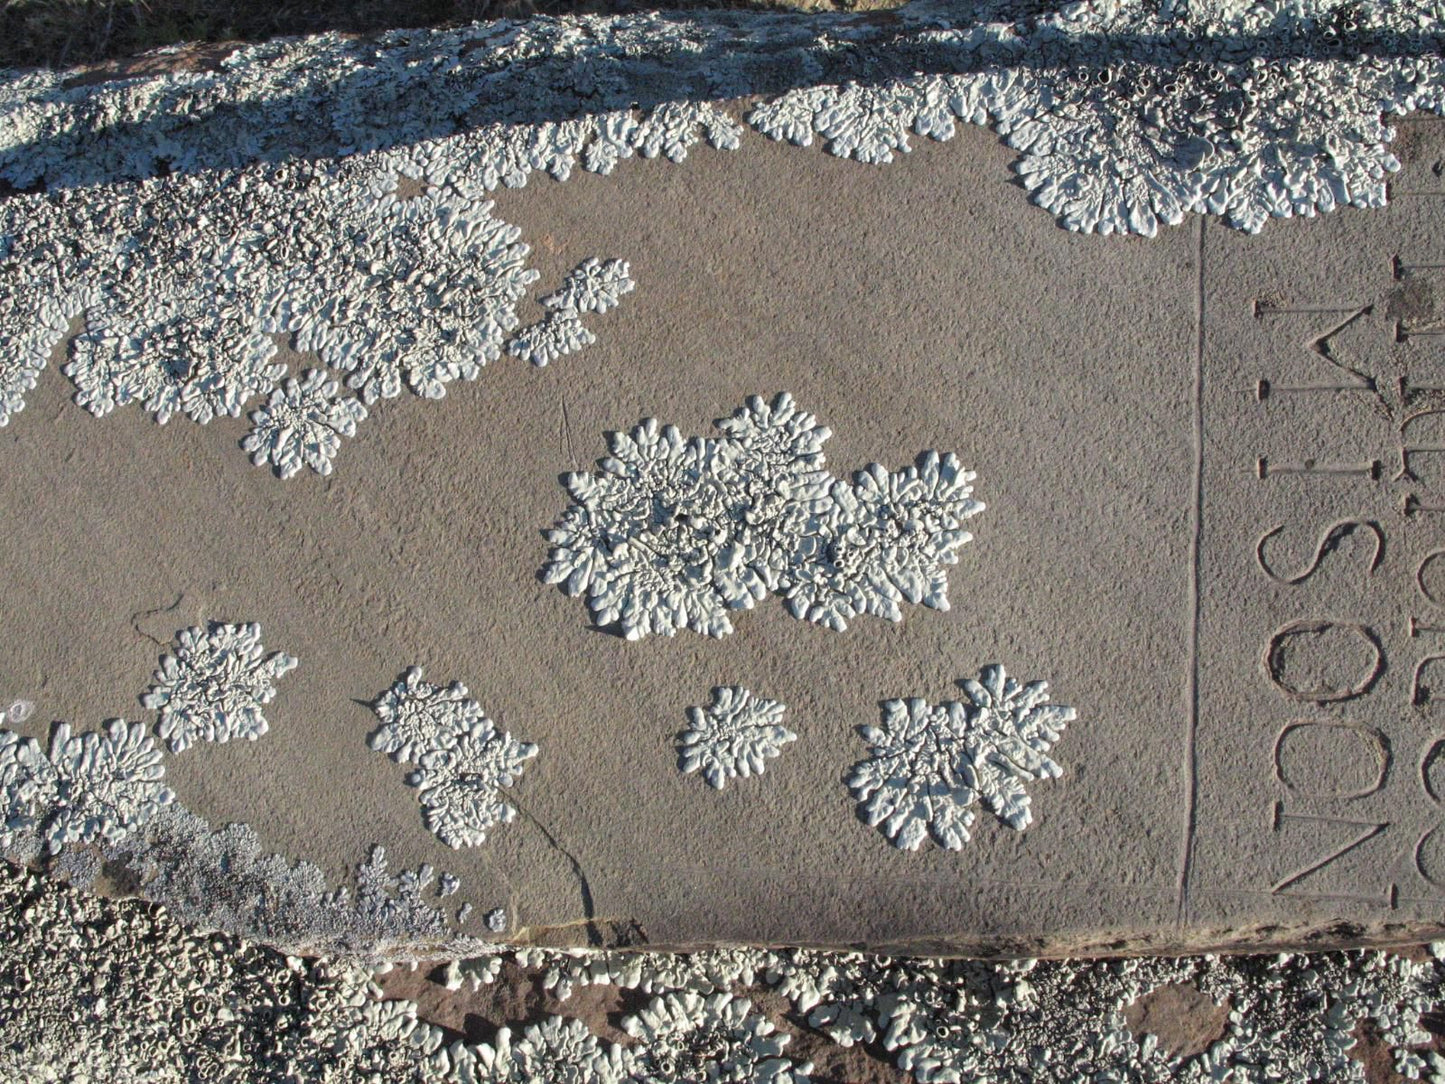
x=1213, y=500
x=121, y=990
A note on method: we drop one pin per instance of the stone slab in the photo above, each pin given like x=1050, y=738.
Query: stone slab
x=1238, y=771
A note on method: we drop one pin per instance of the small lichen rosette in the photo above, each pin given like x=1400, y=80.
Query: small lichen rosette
x=302, y=425
x=733, y=736
x=418, y=717
x=99, y=785
x=460, y=787
x=214, y=686
x=463, y=761
x=686, y=1036
x=930, y=764
x=677, y=532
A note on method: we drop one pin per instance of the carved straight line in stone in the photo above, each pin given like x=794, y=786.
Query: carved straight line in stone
x=1413, y=506
x=1384, y=899
x=1265, y=308
x=1372, y=469
x=1401, y=268
x=1265, y=388
x=1417, y=630
x=1191, y=733
x=1421, y=899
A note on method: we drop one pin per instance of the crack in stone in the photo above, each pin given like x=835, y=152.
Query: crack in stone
x=140, y=615
x=589, y=911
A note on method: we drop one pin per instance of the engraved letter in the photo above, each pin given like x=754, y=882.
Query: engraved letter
x=1421, y=693
x=1324, y=662
x=1367, y=830
x=1343, y=376
x=1309, y=756
x=1429, y=859
x=1329, y=542
x=1435, y=446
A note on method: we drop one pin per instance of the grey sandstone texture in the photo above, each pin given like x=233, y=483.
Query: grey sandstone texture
x=1200, y=473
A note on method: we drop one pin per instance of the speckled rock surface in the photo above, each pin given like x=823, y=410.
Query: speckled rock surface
x=121, y=989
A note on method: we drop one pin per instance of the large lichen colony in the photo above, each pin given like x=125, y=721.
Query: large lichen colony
x=330, y=192
x=677, y=533
x=97, y=989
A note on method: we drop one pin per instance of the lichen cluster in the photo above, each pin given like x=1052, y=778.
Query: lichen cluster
x=184, y=285
x=330, y=193
x=733, y=736
x=463, y=761
x=123, y=990
x=96, y=785
x=104, y=787
x=214, y=687
x=593, y=286
x=929, y=764
x=100, y=797
x=677, y=533
x=1126, y=114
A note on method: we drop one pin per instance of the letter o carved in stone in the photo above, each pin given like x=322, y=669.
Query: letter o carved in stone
x=1324, y=662
x=1337, y=761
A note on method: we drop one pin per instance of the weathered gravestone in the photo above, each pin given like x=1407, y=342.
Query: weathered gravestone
x=1213, y=522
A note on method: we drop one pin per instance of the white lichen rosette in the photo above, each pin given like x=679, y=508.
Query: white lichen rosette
x=94, y=786
x=733, y=736
x=885, y=539
x=594, y=286
x=460, y=787
x=653, y=543
x=463, y=761
x=930, y=764
x=418, y=717
x=214, y=686
x=302, y=425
